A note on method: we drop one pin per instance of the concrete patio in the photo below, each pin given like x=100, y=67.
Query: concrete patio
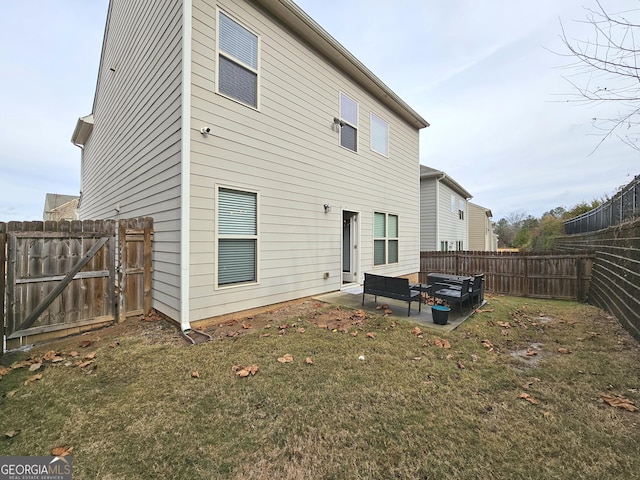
x=352, y=298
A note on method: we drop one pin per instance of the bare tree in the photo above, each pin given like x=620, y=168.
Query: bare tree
x=607, y=70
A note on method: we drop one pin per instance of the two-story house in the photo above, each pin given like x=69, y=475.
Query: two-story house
x=444, y=219
x=481, y=234
x=274, y=163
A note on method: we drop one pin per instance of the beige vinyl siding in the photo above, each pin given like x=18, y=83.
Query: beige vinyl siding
x=450, y=228
x=477, y=227
x=289, y=152
x=428, y=215
x=132, y=159
x=481, y=236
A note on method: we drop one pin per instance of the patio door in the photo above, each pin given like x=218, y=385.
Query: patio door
x=350, y=240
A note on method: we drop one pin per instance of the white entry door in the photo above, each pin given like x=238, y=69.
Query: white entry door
x=350, y=240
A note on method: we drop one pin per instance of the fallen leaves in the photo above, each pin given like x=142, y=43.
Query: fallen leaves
x=35, y=366
x=288, y=358
x=487, y=344
x=195, y=374
x=33, y=379
x=442, y=343
x=85, y=343
x=243, y=372
x=619, y=402
x=308, y=361
x=62, y=451
x=528, y=398
x=11, y=433
x=416, y=331
x=371, y=335
x=564, y=351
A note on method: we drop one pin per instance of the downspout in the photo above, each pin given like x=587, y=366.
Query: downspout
x=185, y=166
x=81, y=147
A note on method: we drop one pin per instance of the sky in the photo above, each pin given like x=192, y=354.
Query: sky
x=488, y=76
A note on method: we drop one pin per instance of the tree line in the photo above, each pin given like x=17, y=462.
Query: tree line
x=526, y=232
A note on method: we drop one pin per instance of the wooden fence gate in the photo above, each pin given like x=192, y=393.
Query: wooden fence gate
x=59, y=278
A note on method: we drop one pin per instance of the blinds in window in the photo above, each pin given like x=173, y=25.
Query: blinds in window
x=378, y=252
x=238, y=42
x=348, y=110
x=237, y=232
x=236, y=261
x=237, y=212
x=393, y=226
x=238, y=82
x=348, y=137
x=379, y=227
x=393, y=251
x=379, y=135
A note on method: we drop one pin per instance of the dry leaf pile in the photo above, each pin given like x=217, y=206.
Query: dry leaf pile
x=619, y=402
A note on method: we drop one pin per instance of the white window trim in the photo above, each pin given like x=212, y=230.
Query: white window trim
x=237, y=61
x=378, y=117
x=342, y=119
x=217, y=237
x=386, y=239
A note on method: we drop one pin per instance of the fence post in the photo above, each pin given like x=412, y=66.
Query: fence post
x=147, y=253
x=579, y=278
x=122, y=270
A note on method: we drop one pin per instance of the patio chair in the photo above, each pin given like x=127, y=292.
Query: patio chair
x=453, y=294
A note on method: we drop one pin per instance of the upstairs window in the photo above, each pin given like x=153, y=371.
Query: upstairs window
x=348, y=123
x=237, y=61
x=379, y=135
x=385, y=238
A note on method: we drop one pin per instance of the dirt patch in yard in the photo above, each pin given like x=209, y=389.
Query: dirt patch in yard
x=290, y=317
x=275, y=320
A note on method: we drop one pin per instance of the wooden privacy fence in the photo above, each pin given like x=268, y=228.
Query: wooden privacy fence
x=59, y=278
x=538, y=275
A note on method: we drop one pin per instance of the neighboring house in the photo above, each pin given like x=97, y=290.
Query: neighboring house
x=275, y=165
x=60, y=207
x=481, y=234
x=443, y=212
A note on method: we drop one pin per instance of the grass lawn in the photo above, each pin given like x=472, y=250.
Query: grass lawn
x=516, y=392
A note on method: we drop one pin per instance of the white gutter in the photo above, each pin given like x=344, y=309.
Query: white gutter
x=185, y=165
